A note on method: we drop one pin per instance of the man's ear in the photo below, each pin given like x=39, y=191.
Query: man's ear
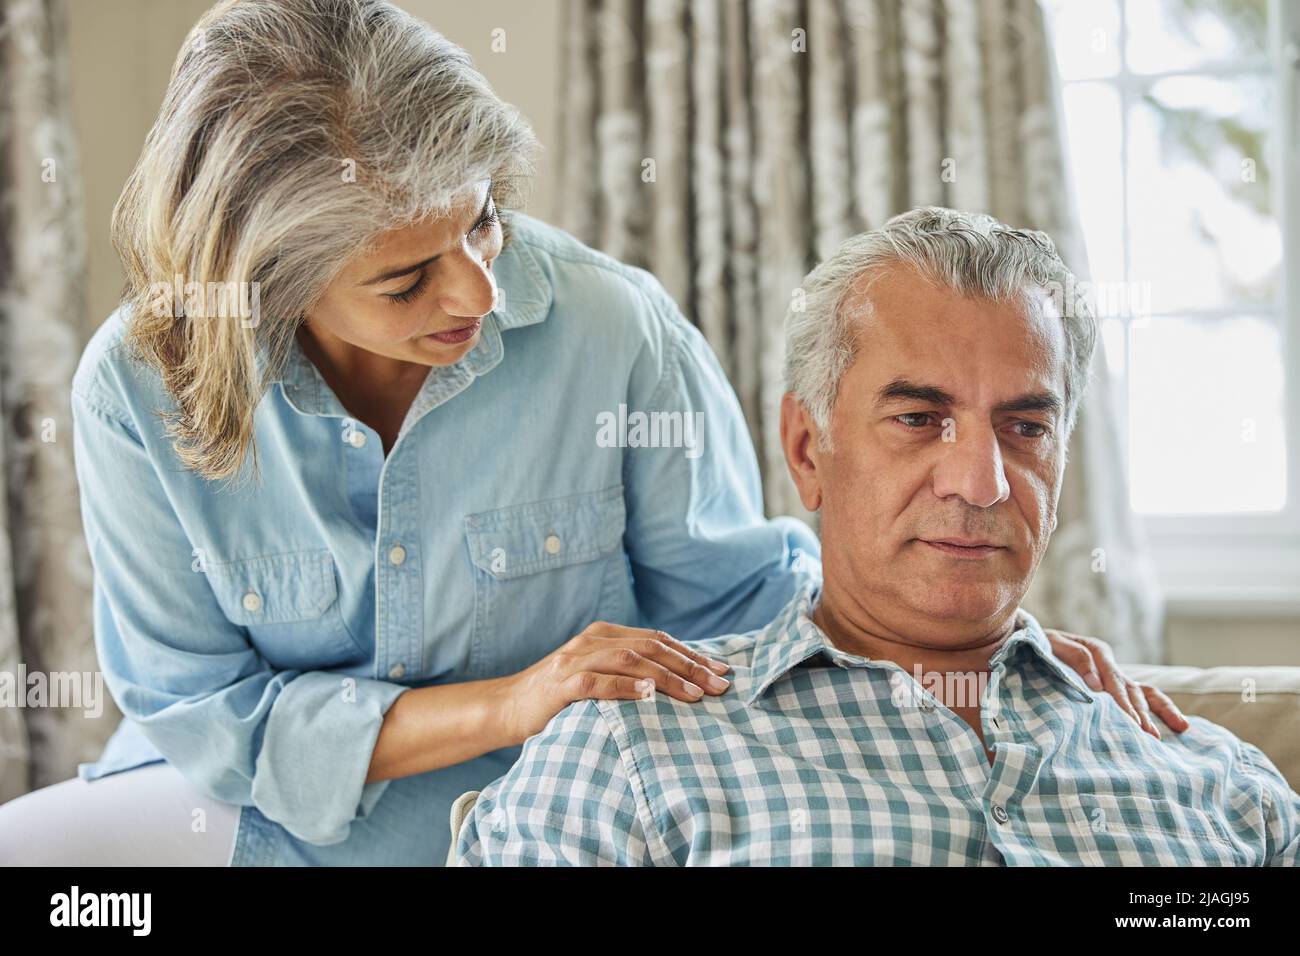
x=799, y=440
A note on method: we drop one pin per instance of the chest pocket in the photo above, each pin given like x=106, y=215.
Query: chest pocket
x=543, y=571
x=289, y=605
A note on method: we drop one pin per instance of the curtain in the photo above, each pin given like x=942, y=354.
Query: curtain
x=730, y=146
x=45, y=574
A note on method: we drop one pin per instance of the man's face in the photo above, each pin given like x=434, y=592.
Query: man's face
x=938, y=499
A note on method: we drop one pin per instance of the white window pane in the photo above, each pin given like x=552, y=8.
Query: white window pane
x=1093, y=118
x=1187, y=34
x=1202, y=228
x=1206, y=416
x=1085, y=34
x=1115, y=346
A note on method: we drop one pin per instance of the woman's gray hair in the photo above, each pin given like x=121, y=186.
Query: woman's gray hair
x=972, y=254
x=292, y=133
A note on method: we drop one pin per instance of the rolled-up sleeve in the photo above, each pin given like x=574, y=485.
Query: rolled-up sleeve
x=705, y=560
x=295, y=744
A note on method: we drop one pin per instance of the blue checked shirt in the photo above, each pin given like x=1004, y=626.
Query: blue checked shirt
x=816, y=756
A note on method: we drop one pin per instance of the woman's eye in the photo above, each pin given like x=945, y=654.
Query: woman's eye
x=411, y=292
x=487, y=222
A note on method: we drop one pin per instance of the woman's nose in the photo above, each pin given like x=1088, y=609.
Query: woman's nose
x=469, y=289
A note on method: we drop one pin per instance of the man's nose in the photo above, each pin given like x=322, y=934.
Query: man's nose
x=970, y=467
x=468, y=288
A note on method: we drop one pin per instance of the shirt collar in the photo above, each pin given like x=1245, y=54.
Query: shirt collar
x=524, y=298
x=792, y=638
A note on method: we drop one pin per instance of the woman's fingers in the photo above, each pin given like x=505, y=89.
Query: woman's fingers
x=677, y=656
x=1164, y=708
x=1077, y=655
x=637, y=661
x=1140, y=705
x=1116, y=684
x=1093, y=659
x=718, y=667
x=589, y=685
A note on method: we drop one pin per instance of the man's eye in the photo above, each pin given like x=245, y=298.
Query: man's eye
x=1030, y=429
x=913, y=419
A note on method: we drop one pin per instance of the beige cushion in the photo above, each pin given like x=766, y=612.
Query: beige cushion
x=459, y=811
x=1269, y=719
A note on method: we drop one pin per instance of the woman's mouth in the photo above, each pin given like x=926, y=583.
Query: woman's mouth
x=457, y=335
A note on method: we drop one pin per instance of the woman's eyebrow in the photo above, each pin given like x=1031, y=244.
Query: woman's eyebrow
x=406, y=270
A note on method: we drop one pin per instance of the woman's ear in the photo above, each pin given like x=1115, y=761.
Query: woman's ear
x=800, y=441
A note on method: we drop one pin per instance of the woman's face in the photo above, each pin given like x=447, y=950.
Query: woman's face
x=420, y=294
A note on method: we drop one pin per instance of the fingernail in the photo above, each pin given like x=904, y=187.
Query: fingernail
x=717, y=683
x=719, y=666
x=1092, y=680
x=693, y=690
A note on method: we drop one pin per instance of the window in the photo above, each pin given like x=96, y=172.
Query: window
x=1181, y=120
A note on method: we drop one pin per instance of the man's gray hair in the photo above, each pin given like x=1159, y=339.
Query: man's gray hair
x=972, y=254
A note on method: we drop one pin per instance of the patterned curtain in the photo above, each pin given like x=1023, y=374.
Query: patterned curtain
x=729, y=147
x=45, y=575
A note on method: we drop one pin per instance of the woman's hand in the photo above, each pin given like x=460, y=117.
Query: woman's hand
x=605, y=662
x=1093, y=659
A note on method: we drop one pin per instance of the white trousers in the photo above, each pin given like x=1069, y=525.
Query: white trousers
x=148, y=816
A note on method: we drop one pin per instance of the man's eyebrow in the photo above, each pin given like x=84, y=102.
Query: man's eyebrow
x=1032, y=402
x=406, y=270
x=901, y=388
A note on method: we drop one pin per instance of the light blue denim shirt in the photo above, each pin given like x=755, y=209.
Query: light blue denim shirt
x=255, y=636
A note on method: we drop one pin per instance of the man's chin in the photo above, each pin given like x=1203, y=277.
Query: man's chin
x=973, y=603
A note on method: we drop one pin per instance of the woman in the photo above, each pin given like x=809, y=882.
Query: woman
x=338, y=579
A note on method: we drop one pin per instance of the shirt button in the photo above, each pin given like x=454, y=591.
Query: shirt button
x=397, y=555
x=357, y=438
x=552, y=544
x=252, y=601
x=398, y=671
x=999, y=813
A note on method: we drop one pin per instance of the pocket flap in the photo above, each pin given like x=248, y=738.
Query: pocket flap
x=541, y=535
x=276, y=588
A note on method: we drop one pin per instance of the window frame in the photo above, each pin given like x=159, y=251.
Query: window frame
x=1247, y=563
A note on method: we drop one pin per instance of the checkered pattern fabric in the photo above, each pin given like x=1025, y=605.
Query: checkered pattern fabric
x=819, y=757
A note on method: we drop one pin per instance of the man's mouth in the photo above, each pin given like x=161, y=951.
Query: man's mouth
x=970, y=548
x=457, y=335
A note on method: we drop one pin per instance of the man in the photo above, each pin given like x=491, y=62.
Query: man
x=906, y=710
